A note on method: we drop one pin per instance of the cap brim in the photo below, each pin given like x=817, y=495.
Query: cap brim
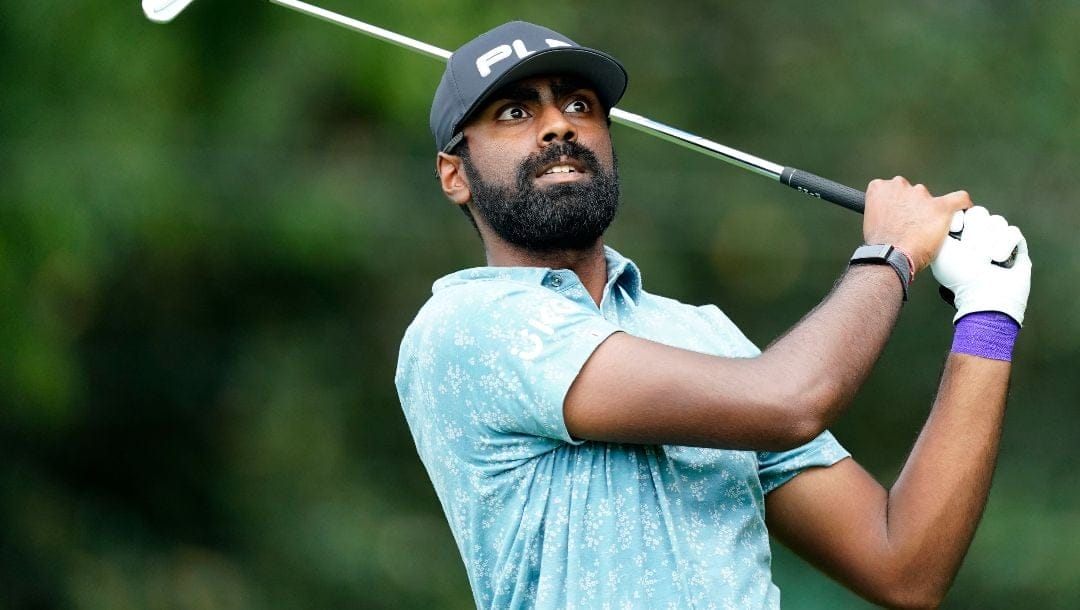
x=603, y=72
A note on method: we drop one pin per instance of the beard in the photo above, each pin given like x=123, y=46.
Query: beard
x=564, y=216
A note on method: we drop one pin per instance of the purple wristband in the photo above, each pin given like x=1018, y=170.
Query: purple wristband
x=987, y=334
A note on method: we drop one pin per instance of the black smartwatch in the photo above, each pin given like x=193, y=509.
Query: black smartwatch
x=884, y=254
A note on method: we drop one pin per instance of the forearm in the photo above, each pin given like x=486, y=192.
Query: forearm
x=935, y=505
x=825, y=358
x=903, y=547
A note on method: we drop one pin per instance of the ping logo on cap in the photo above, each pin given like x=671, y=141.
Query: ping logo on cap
x=501, y=52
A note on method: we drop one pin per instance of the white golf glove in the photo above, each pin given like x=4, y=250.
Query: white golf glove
x=971, y=267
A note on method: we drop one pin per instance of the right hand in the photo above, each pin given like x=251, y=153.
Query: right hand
x=966, y=266
x=909, y=217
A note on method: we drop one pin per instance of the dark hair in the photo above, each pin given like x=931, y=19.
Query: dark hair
x=461, y=149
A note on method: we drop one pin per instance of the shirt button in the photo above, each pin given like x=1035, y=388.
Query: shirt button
x=556, y=281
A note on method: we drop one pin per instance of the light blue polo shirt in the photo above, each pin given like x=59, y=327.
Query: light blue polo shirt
x=545, y=521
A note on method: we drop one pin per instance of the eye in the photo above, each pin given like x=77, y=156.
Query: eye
x=578, y=106
x=512, y=113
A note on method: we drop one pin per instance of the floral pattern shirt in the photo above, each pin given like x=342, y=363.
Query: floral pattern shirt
x=543, y=520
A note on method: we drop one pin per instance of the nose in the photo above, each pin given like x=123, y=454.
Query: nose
x=554, y=127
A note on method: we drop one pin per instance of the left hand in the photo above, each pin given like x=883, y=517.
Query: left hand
x=966, y=266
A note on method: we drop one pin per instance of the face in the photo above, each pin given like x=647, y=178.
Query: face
x=540, y=167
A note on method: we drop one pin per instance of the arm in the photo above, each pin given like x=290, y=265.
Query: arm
x=903, y=547
x=639, y=391
x=633, y=390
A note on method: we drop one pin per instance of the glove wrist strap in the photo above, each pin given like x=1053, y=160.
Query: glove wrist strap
x=986, y=334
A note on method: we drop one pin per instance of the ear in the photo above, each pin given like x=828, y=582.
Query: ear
x=452, y=178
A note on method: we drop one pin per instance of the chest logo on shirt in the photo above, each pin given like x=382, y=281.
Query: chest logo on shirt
x=551, y=314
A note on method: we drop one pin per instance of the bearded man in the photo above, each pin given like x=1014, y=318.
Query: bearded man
x=597, y=446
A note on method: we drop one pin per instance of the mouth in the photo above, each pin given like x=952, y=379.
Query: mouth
x=565, y=169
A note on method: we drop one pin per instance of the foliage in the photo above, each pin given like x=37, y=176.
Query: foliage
x=213, y=233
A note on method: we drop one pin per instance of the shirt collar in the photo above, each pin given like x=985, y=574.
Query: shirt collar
x=622, y=272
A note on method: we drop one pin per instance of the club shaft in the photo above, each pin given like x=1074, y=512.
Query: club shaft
x=808, y=183
x=697, y=143
x=366, y=28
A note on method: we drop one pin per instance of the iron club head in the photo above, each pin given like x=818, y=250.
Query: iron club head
x=163, y=11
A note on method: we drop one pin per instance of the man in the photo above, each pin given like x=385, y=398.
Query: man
x=597, y=446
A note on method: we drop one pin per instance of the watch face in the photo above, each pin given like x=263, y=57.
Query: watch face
x=872, y=252
x=884, y=254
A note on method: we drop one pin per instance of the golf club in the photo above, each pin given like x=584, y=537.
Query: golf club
x=163, y=11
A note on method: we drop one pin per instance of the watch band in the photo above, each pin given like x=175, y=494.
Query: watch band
x=884, y=254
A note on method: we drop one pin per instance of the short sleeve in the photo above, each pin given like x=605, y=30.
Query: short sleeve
x=498, y=359
x=777, y=468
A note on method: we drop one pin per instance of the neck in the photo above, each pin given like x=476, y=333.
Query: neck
x=589, y=264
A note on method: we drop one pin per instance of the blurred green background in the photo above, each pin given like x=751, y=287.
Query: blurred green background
x=213, y=234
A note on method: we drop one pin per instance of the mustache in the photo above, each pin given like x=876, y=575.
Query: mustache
x=571, y=150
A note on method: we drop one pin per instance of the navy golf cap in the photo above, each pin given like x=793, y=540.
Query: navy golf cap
x=511, y=52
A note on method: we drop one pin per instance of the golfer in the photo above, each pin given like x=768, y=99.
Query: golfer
x=598, y=446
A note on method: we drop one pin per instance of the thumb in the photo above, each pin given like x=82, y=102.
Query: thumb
x=957, y=200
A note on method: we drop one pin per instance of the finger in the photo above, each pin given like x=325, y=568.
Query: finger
x=976, y=213
x=979, y=230
x=995, y=231
x=957, y=223
x=1003, y=247
x=1021, y=259
x=959, y=200
x=997, y=224
x=1022, y=250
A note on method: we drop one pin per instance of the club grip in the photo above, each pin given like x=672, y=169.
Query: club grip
x=823, y=188
x=834, y=192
